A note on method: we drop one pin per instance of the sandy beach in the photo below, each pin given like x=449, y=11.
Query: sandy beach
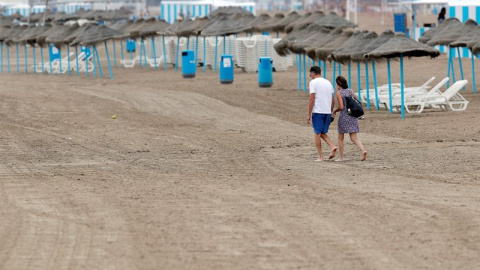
x=193, y=174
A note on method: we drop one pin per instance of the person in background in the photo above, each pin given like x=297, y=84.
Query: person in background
x=346, y=123
x=441, y=15
x=320, y=107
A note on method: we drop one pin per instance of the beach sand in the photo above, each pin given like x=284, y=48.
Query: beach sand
x=193, y=174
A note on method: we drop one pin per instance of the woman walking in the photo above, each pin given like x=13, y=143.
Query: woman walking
x=346, y=123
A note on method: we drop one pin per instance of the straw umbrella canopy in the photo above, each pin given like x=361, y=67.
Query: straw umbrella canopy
x=430, y=33
x=359, y=55
x=5, y=22
x=336, y=39
x=41, y=38
x=15, y=16
x=193, y=28
x=332, y=20
x=92, y=35
x=58, y=38
x=25, y=32
x=467, y=39
x=224, y=25
x=268, y=24
x=453, y=31
x=155, y=29
x=290, y=26
x=343, y=53
x=112, y=15
x=280, y=26
x=316, y=16
x=244, y=19
x=176, y=27
x=31, y=37
x=65, y=17
x=13, y=35
x=476, y=48
x=228, y=11
x=134, y=31
x=259, y=21
x=316, y=36
x=401, y=45
x=282, y=46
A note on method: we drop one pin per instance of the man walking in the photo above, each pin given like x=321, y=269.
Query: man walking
x=320, y=107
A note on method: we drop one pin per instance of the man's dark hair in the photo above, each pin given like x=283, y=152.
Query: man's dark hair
x=317, y=70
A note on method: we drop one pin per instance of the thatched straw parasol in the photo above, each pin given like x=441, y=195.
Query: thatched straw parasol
x=332, y=20
x=31, y=38
x=401, y=45
x=13, y=35
x=282, y=46
x=157, y=28
x=259, y=21
x=453, y=31
x=93, y=35
x=359, y=55
x=316, y=16
x=430, y=33
x=228, y=11
x=58, y=38
x=176, y=27
x=476, y=49
x=270, y=23
x=343, y=53
x=224, y=25
x=467, y=38
x=19, y=37
x=290, y=26
x=193, y=28
x=336, y=39
x=42, y=36
x=316, y=36
x=244, y=19
x=7, y=32
x=135, y=30
x=280, y=26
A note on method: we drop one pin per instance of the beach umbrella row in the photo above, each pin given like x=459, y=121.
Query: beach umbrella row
x=455, y=35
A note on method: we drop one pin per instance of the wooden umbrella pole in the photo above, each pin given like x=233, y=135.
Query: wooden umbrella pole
x=114, y=53
x=154, y=53
x=43, y=65
x=1, y=57
x=26, y=61
x=108, y=61
x=389, y=85
x=299, y=65
x=375, y=85
x=304, y=74
x=60, y=59
x=100, y=71
x=68, y=60
x=8, y=58
x=334, y=73
x=176, y=53
x=76, y=60
x=359, y=82
x=121, y=53
x=34, y=60
x=367, y=84
x=93, y=62
x=204, y=54
x=164, y=53
x=216, y=49
x=460, y=64
x=473, y=73
x=402, y=94
x=18, y=68
x=349, y=74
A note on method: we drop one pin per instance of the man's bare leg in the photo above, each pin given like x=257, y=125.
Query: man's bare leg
x=318, y=144
x=330, y=143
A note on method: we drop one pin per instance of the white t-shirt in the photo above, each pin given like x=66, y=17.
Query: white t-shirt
x=323, y=91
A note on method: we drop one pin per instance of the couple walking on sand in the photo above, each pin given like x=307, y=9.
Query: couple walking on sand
x=321, y=112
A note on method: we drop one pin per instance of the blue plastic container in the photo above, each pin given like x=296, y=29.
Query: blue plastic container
x=189, y=66
x=226, y=69
x=130, y=44
x=265, y=74
x=54, y=53
x=400, y=22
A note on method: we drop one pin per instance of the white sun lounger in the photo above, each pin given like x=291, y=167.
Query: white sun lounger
x=450, y=99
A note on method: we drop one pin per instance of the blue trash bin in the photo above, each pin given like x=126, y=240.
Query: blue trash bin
x=265, y=74
x=54, y=53
x=189, y=66
x=226, y=69
x=131, y=47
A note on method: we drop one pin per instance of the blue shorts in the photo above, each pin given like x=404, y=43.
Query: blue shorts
x=321, y=122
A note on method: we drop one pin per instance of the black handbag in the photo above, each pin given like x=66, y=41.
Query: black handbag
x=354, y=108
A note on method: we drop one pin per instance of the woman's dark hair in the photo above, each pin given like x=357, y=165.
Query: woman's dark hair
x=342, y=82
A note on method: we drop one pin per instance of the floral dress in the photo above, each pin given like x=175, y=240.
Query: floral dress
x=347, y=123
